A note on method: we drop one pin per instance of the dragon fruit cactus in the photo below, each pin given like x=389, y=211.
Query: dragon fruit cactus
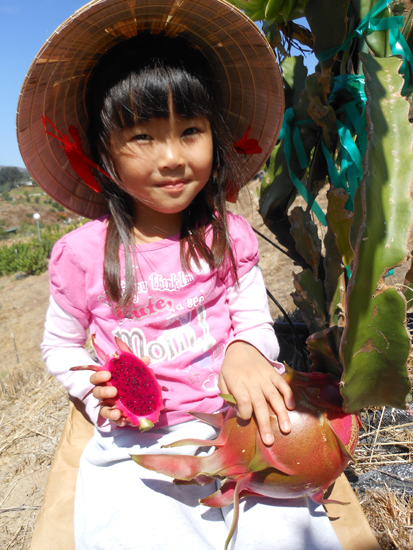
x=304, y=462
x=139, y=395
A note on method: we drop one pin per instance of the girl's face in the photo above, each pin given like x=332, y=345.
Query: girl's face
x=164, y=163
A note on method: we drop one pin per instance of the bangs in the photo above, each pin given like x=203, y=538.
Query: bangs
x=134, y=81
x=141, y=97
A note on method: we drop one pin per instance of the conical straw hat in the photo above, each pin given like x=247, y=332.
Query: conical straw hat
x=239, y=54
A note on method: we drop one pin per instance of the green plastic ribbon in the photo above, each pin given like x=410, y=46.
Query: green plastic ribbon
x=348, y=98
x=364, y=25
x=349, y=272
x=371, y=23
x=399, y=46
x=291, y=126
x=348, y=89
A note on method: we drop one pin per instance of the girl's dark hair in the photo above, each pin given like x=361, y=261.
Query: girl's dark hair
x=132, y=82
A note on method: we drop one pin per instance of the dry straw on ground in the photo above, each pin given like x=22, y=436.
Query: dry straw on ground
x=33, y=410
x=390, y=517
x=390, y=514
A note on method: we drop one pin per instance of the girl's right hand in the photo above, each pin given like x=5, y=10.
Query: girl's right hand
x=108, y=394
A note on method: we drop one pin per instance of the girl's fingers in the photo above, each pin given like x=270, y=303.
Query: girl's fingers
x=280, y=397
x=107, y=394
x=223, y=388
x=113, y=414
x=110, y=412
x=276, y=401
x=103, y=393
x=100, y=377
x=281, y=385
x=244, y=403
x=262, y=415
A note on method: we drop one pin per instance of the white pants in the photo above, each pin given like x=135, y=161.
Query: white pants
x=121, y=506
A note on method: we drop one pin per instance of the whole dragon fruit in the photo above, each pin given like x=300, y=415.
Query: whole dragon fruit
x=304, y=462
x=139, y=395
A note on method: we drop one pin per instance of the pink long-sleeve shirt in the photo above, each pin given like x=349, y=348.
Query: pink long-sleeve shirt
x=182, y=320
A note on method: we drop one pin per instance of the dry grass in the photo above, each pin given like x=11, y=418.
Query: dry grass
x=32, y=413
x=390, y=514
x=391, y=518
x=384, y=445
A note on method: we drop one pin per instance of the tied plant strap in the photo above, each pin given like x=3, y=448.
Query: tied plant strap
x=352, y=134
x=371, y=23
x=349, y=98
x=290, y=126
x=351, y=153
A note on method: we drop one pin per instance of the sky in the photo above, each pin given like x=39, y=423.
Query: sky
x=24, y=27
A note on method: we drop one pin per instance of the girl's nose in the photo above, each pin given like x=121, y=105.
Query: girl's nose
x=171, y=156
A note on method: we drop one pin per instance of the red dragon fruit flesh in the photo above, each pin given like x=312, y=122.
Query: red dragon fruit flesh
x=139, y=395
x=304, y=462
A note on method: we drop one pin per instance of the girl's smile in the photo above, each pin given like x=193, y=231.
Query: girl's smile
x=163, y=163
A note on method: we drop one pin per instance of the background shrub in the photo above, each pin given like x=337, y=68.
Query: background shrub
x=31, y=257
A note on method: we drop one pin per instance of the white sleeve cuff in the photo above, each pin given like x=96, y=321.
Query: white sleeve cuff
x=62, y=348
x=250, y=315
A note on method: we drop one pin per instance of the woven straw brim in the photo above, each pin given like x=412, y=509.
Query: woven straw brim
x=55, y=85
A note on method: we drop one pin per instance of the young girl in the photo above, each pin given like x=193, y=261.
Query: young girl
x=167, y=270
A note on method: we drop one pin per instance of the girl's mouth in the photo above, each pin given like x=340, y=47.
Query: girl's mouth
x=175, y=185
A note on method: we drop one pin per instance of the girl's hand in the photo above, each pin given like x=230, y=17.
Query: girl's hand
x=254, y=382
x=108, y=394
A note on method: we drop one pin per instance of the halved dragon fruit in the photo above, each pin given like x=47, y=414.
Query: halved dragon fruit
x=139, y=395
x=304, y=462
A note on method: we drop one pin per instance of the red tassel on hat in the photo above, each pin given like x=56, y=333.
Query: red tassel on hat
x=78, y=159
x=243, y=146
x=231, y=195
x=247, y=146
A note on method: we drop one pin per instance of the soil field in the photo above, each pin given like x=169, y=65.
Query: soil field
x=23, y=304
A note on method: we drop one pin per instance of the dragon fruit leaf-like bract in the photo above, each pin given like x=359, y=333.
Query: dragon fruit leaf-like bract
x=139, y=395
x=304, y=462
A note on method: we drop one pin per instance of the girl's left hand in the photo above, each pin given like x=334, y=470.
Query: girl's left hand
x=255, y=383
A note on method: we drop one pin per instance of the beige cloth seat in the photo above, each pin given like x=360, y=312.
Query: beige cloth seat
x=54, y=526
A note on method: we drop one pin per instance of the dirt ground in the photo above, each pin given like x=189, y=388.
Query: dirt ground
x=23, y=305
x=27, y=443
x=29, y=436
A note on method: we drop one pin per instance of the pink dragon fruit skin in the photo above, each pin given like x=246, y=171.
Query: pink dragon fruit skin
x=304, y=462
x=139, y=395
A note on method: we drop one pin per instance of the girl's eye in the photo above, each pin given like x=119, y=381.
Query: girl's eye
x=190, y=131
x=141, y=137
